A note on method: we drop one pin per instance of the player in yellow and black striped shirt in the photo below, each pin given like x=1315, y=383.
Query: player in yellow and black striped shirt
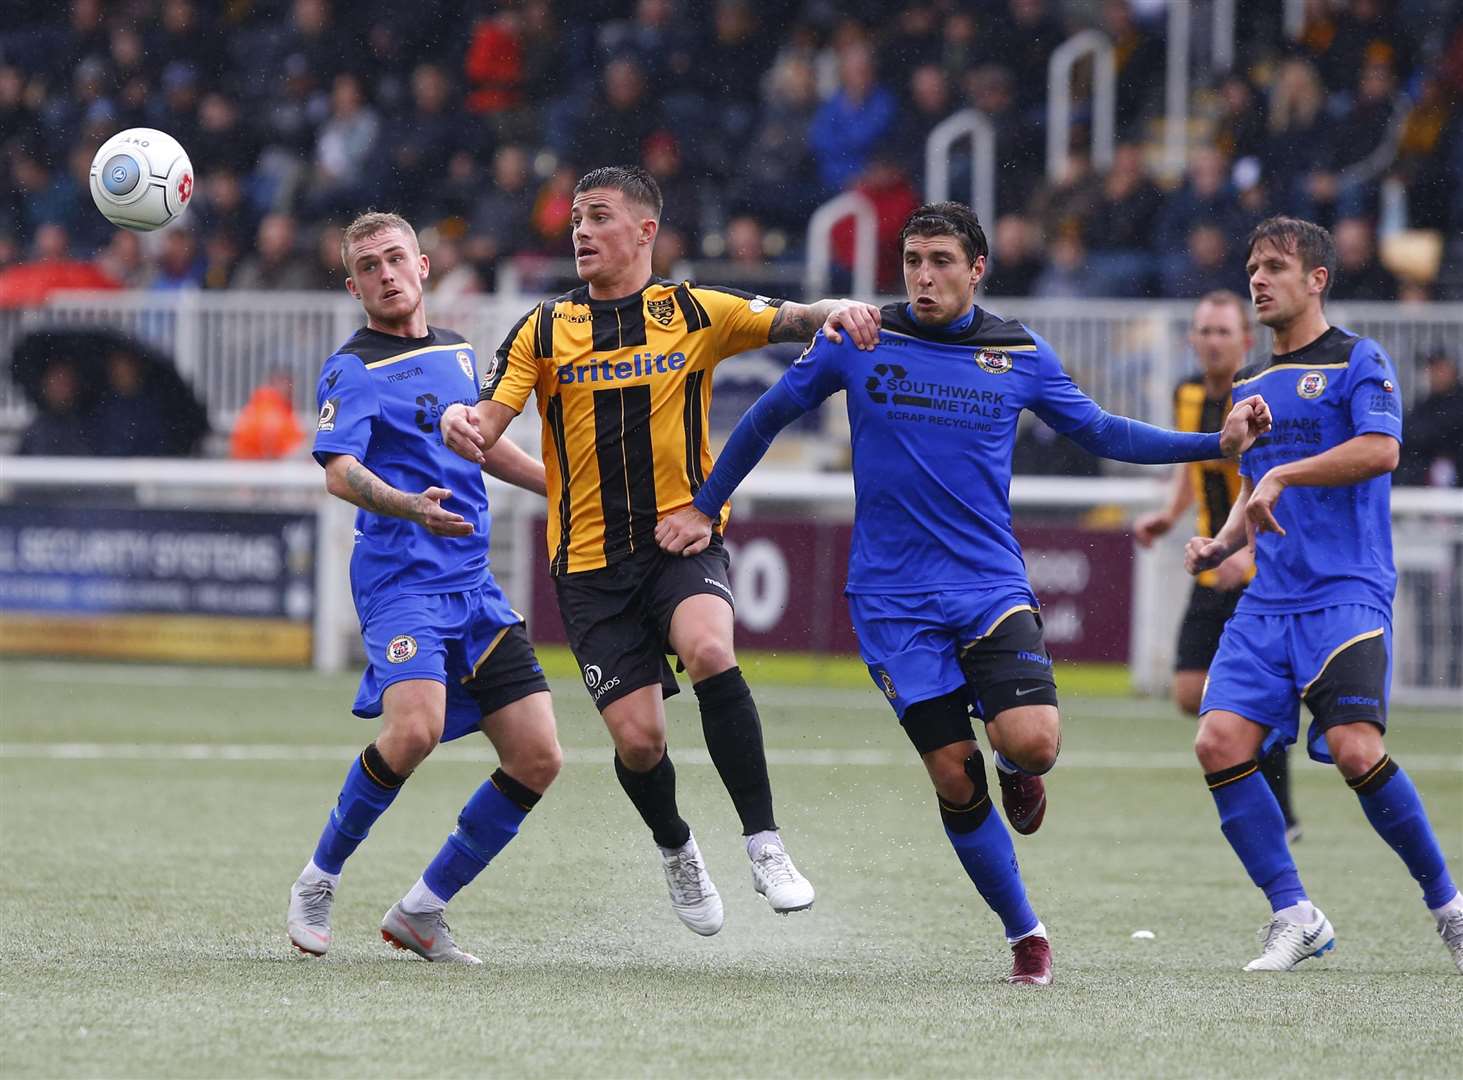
x=622, y=368
x=1221, y=339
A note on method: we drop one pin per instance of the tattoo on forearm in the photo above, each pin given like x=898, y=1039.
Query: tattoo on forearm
x=372, y=494
x=796, y=322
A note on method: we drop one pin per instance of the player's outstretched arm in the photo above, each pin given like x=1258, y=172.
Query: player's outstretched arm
x=1204, y=553
x=508, y=462
x=346, y=478
x=1357, y=459
x=470, y=432
x=688, y=531
x=799, y=322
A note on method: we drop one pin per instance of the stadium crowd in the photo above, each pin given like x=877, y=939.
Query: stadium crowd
x=473, y=119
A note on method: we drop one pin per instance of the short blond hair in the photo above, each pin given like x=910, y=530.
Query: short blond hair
x=1222, y=297
x=369, y=224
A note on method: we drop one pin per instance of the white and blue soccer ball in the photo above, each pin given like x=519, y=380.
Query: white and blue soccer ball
x=141, y=179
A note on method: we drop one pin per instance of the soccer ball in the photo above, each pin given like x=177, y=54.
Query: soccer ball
x=141, y=179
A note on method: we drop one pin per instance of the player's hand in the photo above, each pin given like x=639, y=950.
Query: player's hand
x=1203, y=553
x=430, y=514
x=686, y=532
x=1150, y=527
x=1234, y=571
x=1246, y=422
x=859, y=319
x=460, y=432
x=1260, y=510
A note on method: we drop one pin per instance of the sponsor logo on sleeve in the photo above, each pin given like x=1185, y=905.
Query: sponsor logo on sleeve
x=401, y=648
x=759, y=304
x=490, y=374
x=1312, y=385
x=327, y=415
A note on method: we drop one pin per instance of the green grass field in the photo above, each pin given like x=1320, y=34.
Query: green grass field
x=153, y=819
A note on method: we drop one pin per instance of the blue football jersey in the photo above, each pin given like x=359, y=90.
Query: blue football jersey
x=1337, y=547
x=932, y=416
x=381, y=398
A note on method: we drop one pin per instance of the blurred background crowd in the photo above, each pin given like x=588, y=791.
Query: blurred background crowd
x=473, y=119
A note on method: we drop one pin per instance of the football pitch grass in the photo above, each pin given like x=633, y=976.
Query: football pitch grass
x=153, y=819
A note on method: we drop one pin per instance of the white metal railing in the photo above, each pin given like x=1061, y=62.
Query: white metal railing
x=1222, y=36
x=1295, y=18
x=865, y=243
x=1059, y=100
x=938, y=149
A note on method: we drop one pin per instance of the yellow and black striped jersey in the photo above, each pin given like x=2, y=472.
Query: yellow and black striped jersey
x=624, y=391
x=1215, y=484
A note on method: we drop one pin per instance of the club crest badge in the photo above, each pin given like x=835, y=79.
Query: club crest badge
x=464, y=361
x=1312, y=385
x=888, y=685
x=995, y=361
x=662, y=311
x=401, y=648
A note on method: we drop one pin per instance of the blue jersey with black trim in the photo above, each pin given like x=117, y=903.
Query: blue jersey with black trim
x=1337, y=547
x=381, y=398
x=932, y=416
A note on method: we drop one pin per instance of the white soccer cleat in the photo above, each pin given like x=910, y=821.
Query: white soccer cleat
x=1450, y=929
x=693, y=897
x=1285, y=944
x=308, y=921
x=426, y=935
x=775, y=877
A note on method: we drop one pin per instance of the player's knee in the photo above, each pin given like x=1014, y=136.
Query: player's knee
x=707, y=654
x=639, y=749
x=1355, y=748
x=535, y=766
x=1214, y=748
x=952, y=783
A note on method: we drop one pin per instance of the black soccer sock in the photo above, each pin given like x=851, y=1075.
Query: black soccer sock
x=734, y=738
x=654, y=795
x=1275, y=767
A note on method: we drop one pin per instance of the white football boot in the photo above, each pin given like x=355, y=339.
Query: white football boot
x=1450, y=929
x=1285, y=944
x=426, y=935
x=308, y=921
x=775, y=877
x=693, y=897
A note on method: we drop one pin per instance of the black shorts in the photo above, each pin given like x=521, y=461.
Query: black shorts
x=618, y=618
x=1009, y=667
x=510, y=673
x=1209, y=609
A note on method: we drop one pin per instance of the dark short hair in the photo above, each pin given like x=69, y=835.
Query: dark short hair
x=947, y=219
x=630, y=180
x=1304, y=239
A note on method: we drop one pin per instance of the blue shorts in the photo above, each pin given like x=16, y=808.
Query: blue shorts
x=913, y=643
x=1337, y=660
x=445, y=638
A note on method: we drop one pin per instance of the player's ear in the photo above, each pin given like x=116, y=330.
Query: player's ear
x=977, y=270
x=424, y=267
x=1319, y=276
x=649, y=229
x=350, y=287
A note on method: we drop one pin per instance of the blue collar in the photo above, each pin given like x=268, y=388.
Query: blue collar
x=957, y=326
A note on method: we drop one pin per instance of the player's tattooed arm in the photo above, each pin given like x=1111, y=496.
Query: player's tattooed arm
x=346, y=478
x=799, y=322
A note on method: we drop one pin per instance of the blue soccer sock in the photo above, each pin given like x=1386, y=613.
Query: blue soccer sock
x=984, y=848
x=1250, y=818
x=1391, y=803
x=370, y=787
x=488, y=821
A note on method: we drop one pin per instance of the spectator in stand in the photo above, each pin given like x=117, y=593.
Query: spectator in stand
x=1020, y=150
x=122, y=260
x=267, y=428
x=617, y=125
x=1422, y=160
x=668, y=260
x=1119, y=230
x=183, y=34
x=1015, y=259
x=58, y=428
x=500, y=219
x=1022, y=39
x=930, y=100
x=40, y=196
x=176, y=112
x=223, y=140
x=178, y=264
x=494, y=64
x=749, y=258
x=1240, y=129
x=1433, y=451
x=658, y=39
x=886, y=186
x=50, y=269
x=221, y=254
x=1299, y=138
x=1369, y=33
x=730, y=69
x=1355, y=136
x=345, y=150
x=551, y=206
x=1139, y=57
x=1206, y=198
x=329, y=271
x=219, y=204
x=1358, y=274
x=1065, y=276
x=1066, y=205
x=683, y=209
x=275, y=264
x=87, y=229
x=145, y=410
x=452, y=276
x=778, y=175
x=852, y=122
x=423, y=137
x=914, y=41
x=1208, y=265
